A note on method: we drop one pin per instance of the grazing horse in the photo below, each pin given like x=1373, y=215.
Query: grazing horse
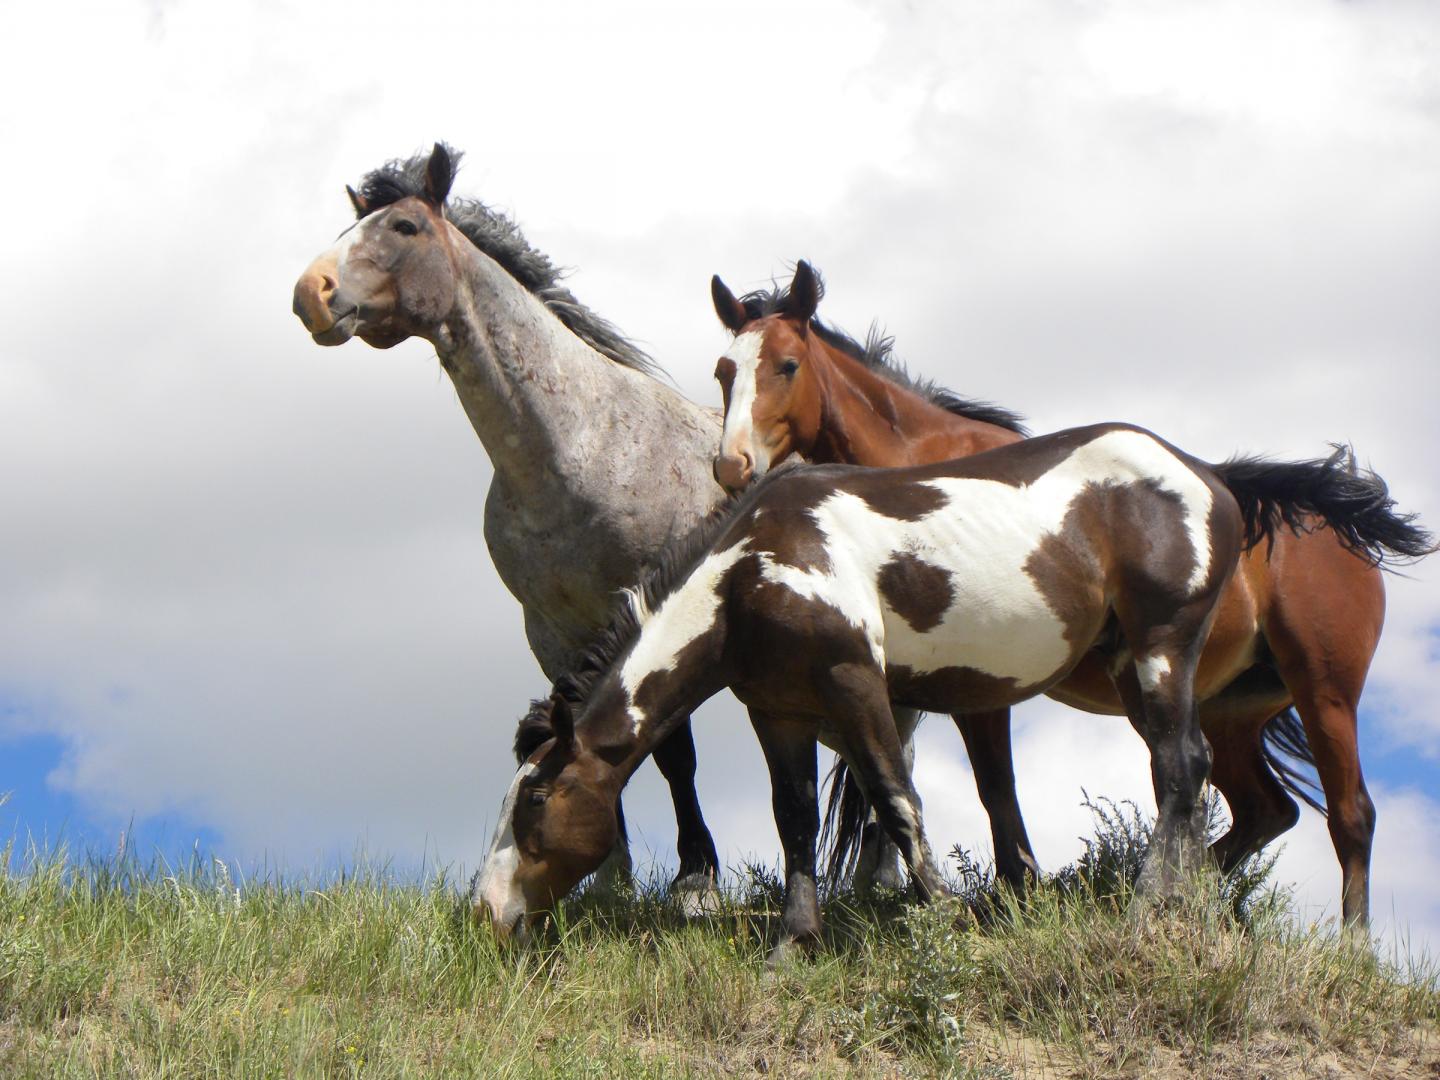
x=1296, y=626
x=597, y=465
x=827, y=592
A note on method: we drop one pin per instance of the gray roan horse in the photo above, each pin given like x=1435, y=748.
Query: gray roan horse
x=598, y=465
x=828, y=591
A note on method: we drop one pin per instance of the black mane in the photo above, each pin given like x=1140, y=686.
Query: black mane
x=662, y=576
x=500, y=238
x=876, y=354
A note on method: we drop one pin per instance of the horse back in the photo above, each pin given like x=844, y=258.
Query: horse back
x=992, y=574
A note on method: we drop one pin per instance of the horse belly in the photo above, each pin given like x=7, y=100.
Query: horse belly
x=986, y=639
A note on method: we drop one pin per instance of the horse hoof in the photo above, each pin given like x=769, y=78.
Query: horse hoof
x=786, y=955
x=696, y=896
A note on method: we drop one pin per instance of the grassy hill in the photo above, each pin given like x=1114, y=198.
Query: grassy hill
x=111, y=968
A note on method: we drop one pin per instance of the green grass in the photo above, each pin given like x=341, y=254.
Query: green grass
x=111, y=968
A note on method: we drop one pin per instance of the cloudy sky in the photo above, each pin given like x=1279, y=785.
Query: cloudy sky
x=244, y=596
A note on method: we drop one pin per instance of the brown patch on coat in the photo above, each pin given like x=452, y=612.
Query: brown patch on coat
x=917, y=591
x=783, y=523
x=953, y=689
x=1068, y=557
x=903, y=501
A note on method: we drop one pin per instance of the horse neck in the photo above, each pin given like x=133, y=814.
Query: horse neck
x=539, y=398
x=625, y=731
x=865, y=419
x=675, y=662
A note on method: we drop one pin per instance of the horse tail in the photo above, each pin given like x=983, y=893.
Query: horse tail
x=1286, y=749
x=846, y=809
x=1353, y=502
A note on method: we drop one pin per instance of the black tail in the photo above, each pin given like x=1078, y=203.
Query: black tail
x=1354, y=502
x=846, y=809
x=1283, y=743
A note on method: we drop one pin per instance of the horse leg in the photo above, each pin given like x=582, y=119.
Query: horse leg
x=790, y=755
x=1155, y=678
x=987, y=741
x=699, y=862
x=1327, y=689
x=1260, y=808
x=1323, y=629
x=857, y=696
x=1330, y=723
x=877, y=865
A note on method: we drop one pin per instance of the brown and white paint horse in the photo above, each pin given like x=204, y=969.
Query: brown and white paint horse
x=827, y=592
x=1297, y=625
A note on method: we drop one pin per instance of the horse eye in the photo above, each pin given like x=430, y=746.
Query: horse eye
x=538, y=796
x=405, y=228
x=789, y=367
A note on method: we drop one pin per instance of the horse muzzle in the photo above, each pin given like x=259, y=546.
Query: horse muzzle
x=734, y=472
x=317, y=296
x=507, y=925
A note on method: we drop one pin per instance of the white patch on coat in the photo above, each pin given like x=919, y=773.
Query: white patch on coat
x=905, y=811
x=681, y=618
x=1151, y=672
x=739, y=433
x=998, y=621
x=495, y=884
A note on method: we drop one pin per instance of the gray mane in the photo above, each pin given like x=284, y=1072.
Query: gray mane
x=500, y=238
x=877, y=354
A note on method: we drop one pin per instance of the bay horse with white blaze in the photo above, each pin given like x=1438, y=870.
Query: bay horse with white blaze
x=1297, y=625
x=826, y=592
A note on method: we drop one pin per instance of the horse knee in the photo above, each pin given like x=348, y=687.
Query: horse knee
x=1352, y=823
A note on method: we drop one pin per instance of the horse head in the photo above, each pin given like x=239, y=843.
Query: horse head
x=769, y=379
x=392, y=274
x=556, y=825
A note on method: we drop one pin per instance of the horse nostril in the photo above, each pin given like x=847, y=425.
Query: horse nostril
x=747, y=467
x=734, y=471
x=484, y=914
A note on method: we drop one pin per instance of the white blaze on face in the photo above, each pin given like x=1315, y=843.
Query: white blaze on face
x=681, y=618
x=739, y=433
x=345, y=242
x=495, y=884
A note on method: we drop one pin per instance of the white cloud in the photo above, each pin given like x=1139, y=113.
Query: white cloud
x=244, y=576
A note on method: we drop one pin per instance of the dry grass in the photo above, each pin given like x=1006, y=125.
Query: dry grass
x=112, y=969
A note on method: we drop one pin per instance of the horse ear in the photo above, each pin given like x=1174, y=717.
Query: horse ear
x=730, y=310
x=439, y=174
x=357, y=201
x=805, y=293
x=562, y=721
